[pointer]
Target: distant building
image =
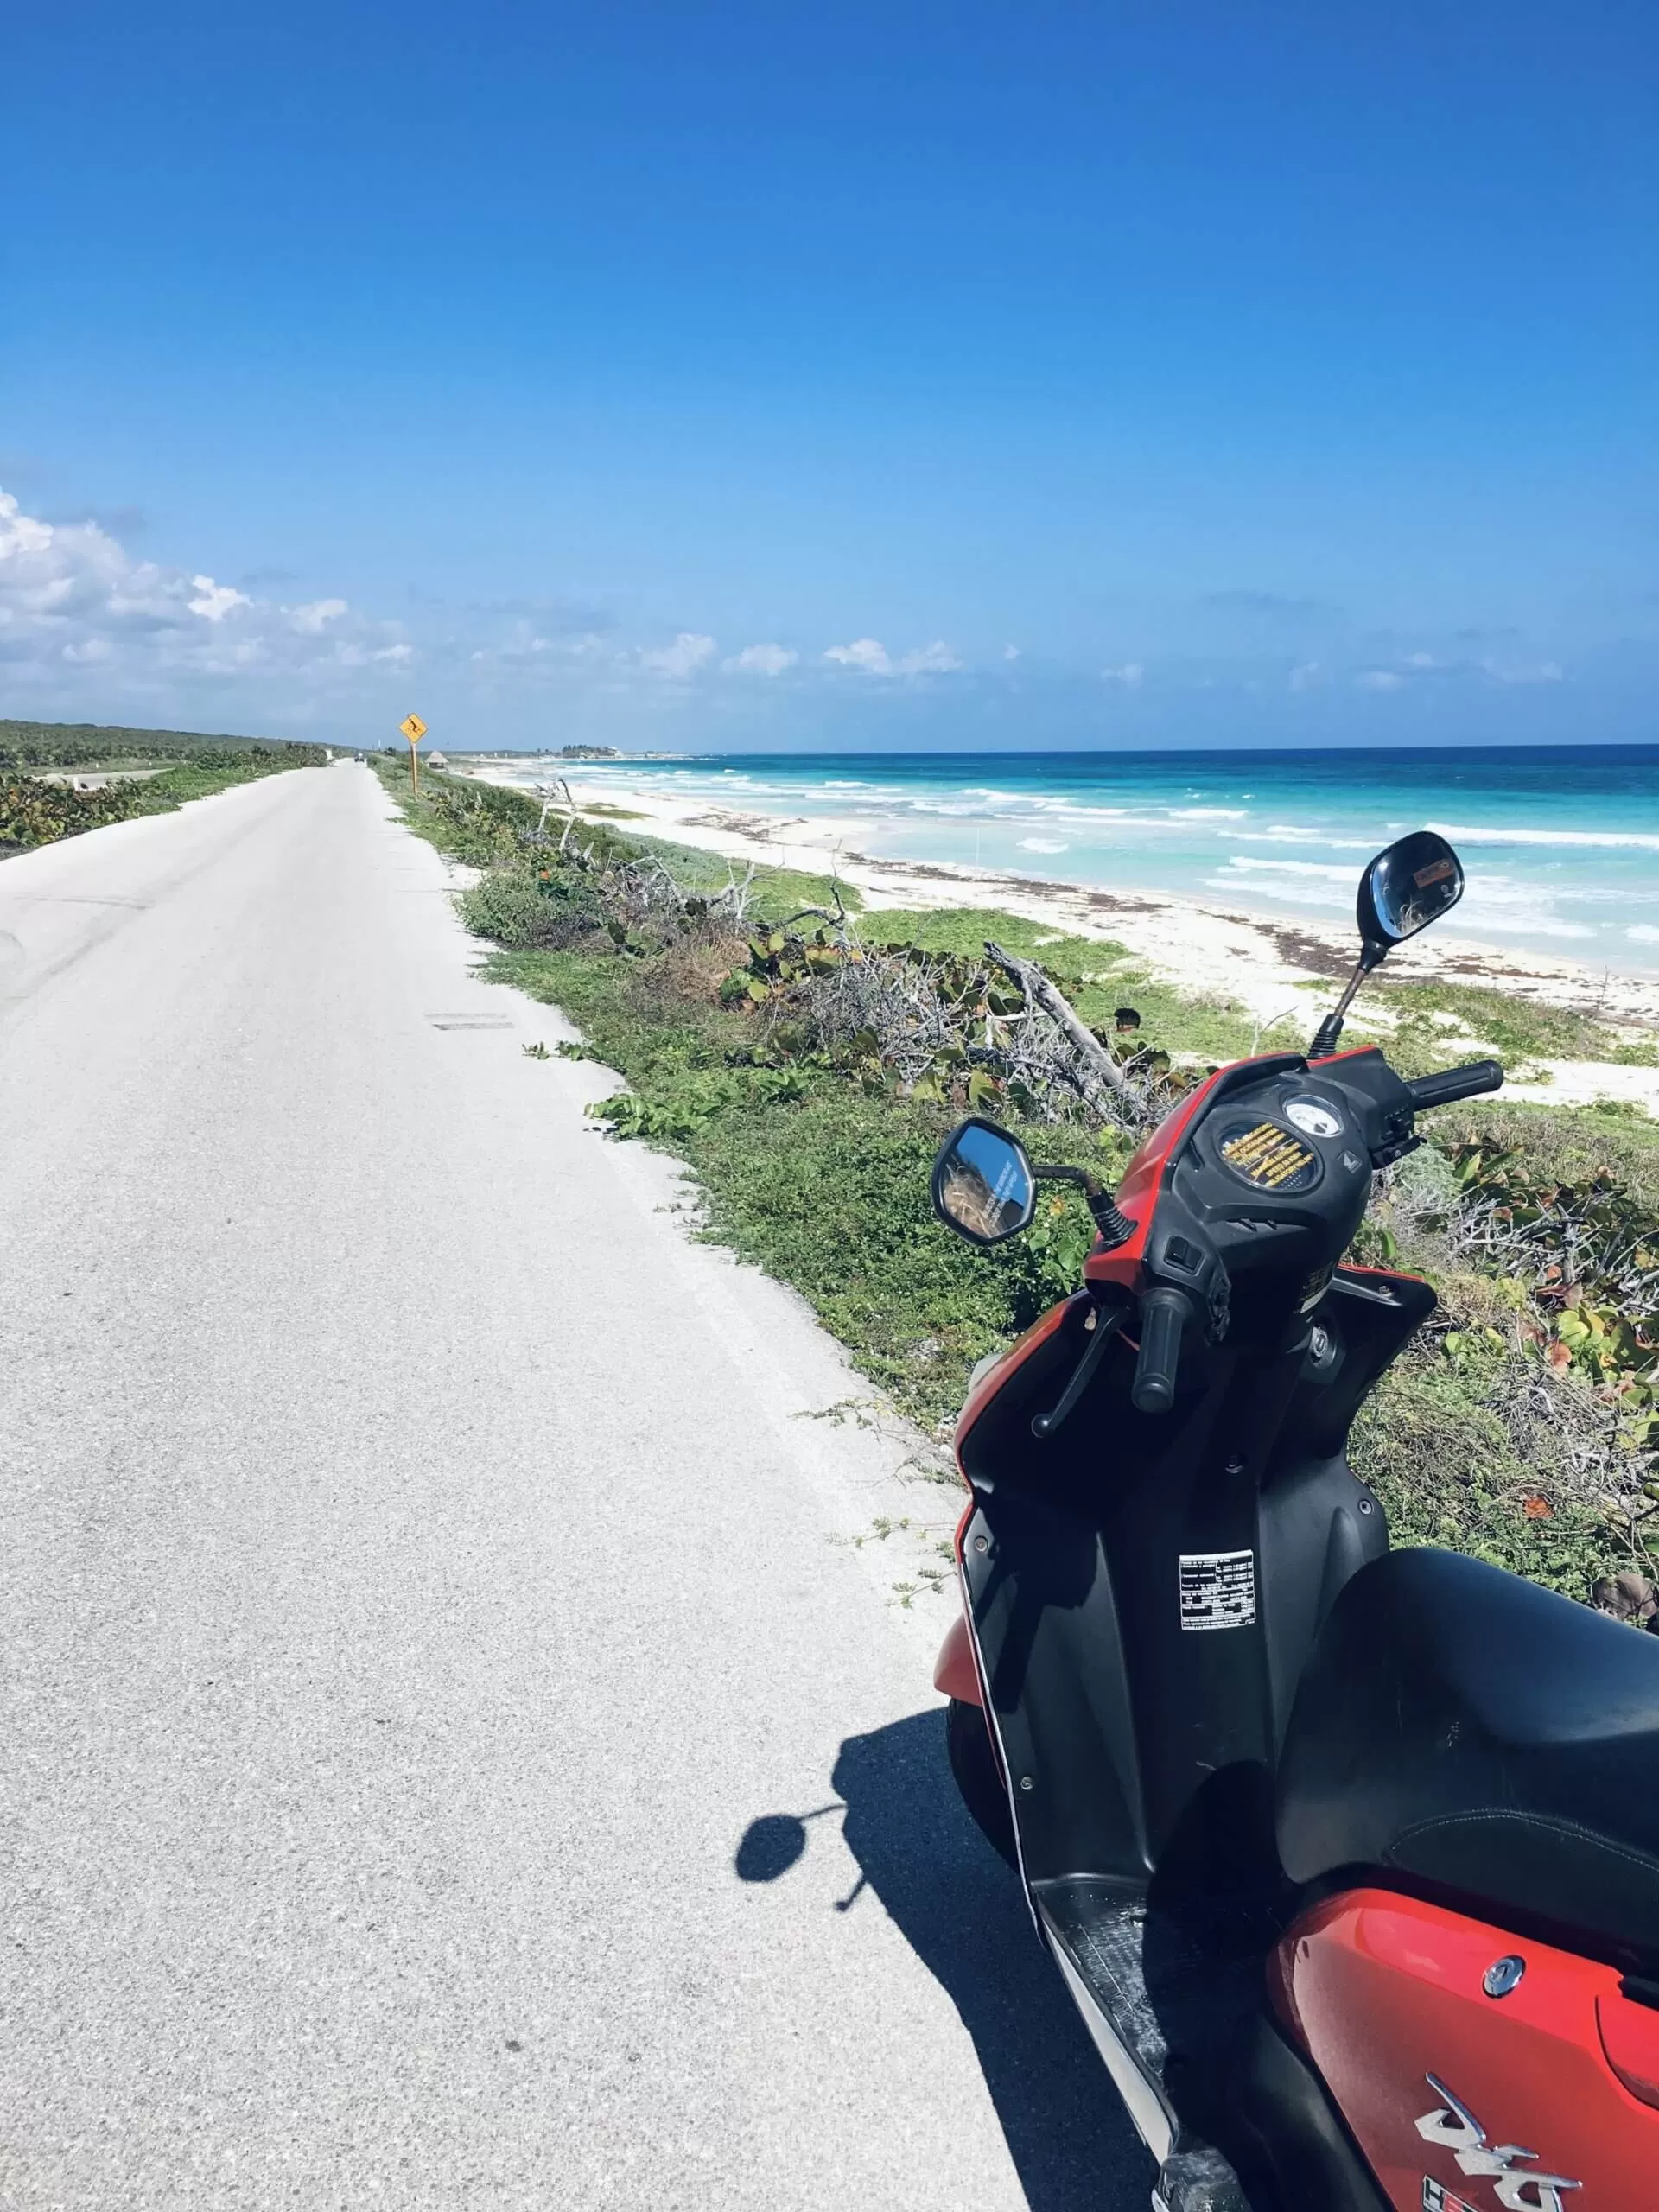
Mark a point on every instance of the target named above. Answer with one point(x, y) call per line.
point(436, 761)
point(588, 753)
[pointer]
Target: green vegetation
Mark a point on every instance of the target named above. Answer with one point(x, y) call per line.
point(1523, 1426)
point(1513, 1029)
point(34, 746)
point(33, 812)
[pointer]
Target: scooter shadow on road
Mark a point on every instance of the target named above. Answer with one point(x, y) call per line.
point(964, 1915)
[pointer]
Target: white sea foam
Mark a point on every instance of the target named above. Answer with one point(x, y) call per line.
point(1636, 838)
point(1248, 864)
point(1294, 894)
point(1118, 817)
point(1480, 919)
point(1608, 894)
point(1281, 834)
point(1072, 812)
point(1042, 845)
point(1643, 933)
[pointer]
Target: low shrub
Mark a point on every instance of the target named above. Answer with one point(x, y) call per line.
point(527, 911)
point(33, 813)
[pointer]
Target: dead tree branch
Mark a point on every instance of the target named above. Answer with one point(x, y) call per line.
point(1039, 991)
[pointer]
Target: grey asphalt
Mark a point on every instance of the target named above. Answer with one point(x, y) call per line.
point(417, 1576)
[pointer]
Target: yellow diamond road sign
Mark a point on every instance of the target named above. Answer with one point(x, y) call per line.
point(413, 729)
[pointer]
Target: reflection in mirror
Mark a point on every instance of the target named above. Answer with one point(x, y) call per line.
point(1409, 887)
point(983, 1187)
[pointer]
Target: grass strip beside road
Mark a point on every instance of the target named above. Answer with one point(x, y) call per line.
point(1520, 1428)
point(33, 812)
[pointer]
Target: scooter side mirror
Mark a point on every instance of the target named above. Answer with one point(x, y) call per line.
point(983, 1184)
point(1410, 884)
point(1405, 888)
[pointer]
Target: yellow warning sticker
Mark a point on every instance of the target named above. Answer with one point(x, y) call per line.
point(1267, 1155)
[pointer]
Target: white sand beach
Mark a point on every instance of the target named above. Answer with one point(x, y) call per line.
point(1260, 961)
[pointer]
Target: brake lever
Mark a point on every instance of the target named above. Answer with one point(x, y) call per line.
point(1106, 1327)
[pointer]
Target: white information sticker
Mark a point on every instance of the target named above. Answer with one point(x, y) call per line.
point(1217, 1589)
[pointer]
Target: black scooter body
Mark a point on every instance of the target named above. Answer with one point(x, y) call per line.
point(1143, 1590)
point(1086, 1587)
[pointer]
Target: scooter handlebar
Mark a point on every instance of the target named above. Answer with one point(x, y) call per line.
point(1163, 1316)
point(1444, 1090)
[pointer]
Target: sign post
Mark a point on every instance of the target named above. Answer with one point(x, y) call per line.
point(414, 729)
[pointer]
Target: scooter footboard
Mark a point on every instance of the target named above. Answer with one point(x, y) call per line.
point(1176, 2002)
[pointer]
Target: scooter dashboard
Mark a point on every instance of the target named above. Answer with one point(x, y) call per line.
point(1284, 1140)
point(1279, 1157)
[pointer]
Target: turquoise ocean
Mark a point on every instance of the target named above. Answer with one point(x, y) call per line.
point(1560, 845)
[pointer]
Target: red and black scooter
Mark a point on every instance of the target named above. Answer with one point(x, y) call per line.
point(1348, 1857)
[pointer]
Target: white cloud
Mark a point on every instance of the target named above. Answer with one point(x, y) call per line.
point(21, 535)
point(525, 648)
point(871, 657)
point(311, 621)
point(1305, 675)
point(1541, 672)
point(71, 597)
point(1451, 671)
point(1130, 674)
point(763, 660)
point(214, 601)
point(868, 654)
point(687, 653)
point(936, 659)
point(1010, 652)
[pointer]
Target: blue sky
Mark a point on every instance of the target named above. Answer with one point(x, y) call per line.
point(1186, 374)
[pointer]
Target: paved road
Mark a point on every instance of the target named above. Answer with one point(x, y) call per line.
point(414, 1582)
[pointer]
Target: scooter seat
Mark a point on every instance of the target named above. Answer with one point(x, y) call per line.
point(1482, 1734)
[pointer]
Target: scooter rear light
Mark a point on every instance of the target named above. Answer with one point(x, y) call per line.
point(1629, 2036)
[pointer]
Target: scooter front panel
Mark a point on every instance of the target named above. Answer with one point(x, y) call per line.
point(1076, 1571)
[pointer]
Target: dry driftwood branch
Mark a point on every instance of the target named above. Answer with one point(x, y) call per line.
point(735, 894)
point(837, 920)
point(1039, 991)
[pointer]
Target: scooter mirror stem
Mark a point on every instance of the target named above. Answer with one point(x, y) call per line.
point(1329, 1033)
point(1114, 1228)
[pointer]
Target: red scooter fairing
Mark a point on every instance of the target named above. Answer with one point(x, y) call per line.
point(1521, 2100)
point(1463, 1731)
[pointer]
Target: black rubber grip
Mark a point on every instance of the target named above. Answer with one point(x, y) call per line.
point(1163, 1315)
point(1456, 1083)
